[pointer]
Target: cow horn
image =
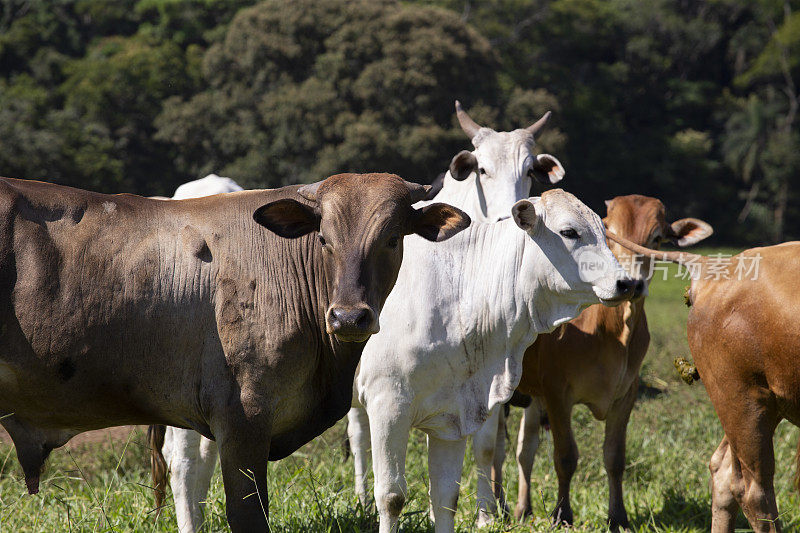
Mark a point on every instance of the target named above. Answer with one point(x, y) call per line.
point(418, 192)
point(309, 192)
point(469, 126)
point(539, 124)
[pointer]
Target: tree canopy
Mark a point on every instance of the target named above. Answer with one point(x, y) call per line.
point(692, 101)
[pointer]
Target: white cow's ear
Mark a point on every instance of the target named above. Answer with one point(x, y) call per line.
point(524, 213)
point(463, 164)
point(547, 169)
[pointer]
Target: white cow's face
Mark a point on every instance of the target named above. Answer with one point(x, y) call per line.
point(502, 167)
point(581, 267)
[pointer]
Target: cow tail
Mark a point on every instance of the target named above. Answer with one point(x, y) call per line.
point(158, 466)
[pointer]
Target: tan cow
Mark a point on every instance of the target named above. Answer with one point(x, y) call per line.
point(745, 339)
point(594, 360)
point(242, 316)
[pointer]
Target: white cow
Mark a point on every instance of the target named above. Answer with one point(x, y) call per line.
point(190, 457)
point(455, 330)
point(484, 183)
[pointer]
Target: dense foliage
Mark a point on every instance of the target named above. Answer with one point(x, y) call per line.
point(693, 101)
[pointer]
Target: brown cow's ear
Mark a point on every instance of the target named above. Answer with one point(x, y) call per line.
point(547, 169)
point(438, 222)
point(524, 213)
point(462, 165)
point(287, 218)
point(688, 231)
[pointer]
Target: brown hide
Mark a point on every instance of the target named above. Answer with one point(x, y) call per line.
point(745, 341)
point(118, 309)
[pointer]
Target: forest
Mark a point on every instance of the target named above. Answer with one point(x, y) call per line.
point(692, 101)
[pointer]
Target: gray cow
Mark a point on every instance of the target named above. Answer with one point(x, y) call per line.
point(126, 310)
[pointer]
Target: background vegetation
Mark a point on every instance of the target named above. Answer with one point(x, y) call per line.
point(693, 101)
point(672, 434)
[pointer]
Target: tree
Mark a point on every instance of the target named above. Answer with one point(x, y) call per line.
point(303, 90)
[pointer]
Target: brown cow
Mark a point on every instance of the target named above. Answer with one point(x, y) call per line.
point(744, 338)
point(594, 360)
point(118, 309)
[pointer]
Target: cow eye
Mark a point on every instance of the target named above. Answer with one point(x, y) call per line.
point(482, 171)
point(569, 233)
point(393, 242)
point(322, 240)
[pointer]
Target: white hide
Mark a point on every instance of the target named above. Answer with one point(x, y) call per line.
point(455, 329)
point(190, 457)
point(211, 184)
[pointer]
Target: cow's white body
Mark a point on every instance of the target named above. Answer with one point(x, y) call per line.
point(502, 176)
point(453, 335)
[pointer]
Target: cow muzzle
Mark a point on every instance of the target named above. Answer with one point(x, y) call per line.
point(626, 289)
point(351, 324)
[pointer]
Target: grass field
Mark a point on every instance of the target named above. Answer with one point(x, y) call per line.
point(672, 433)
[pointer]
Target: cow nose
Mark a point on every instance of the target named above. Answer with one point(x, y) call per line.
point(627, 287)
point(351, 323)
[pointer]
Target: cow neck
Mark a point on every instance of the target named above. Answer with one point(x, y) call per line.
point(490, 297)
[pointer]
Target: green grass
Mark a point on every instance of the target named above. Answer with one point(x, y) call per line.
point(671, 436)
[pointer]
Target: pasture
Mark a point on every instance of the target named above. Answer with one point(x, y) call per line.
point(672, 433)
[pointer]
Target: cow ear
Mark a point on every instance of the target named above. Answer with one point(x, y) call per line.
point(287, 218)
point(688, 231)
point(463, 164)
point(524, 213)
point(438, 222)
point(547, 169)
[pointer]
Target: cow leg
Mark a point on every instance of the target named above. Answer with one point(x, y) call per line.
point(359, 435)
point(389, 428)
point(753, 469)
point(499, 459)
point(614, 456)
point(527, 445)
point(191, 458)
point(565, 456)
point(244, 474)
point(483, 443)
point(749, 417)
point(723, 503)
point(445, 460)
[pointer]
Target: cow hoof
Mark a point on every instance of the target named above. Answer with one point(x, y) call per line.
point(562, 517)
point(485, 519)
point(616, 525)
point(522, 512)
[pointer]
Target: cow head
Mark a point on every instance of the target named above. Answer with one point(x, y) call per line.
point(642, 220)
point(501, 167)
point(360, 221)
point(579, 268)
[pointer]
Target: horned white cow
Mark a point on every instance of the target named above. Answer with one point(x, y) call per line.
point(454, 332)
point(485, 183)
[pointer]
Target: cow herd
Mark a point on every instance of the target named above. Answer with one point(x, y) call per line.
point(243, 324)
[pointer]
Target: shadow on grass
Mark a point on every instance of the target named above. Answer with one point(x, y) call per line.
point(648, 392)
point(680, 513)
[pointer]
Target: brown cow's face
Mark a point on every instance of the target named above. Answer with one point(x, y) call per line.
point(642, 220)
point(360, 220)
